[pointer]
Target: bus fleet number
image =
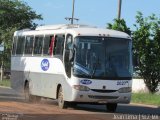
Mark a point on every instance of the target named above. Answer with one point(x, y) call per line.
point(122, 82)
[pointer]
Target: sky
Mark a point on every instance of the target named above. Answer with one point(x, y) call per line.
point(92, 12)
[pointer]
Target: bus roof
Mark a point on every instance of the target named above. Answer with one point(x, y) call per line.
point(75, 30)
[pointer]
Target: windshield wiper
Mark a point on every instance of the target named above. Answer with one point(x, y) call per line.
point(95, 68)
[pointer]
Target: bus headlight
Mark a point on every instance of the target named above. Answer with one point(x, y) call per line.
point(125, 90)
point(81, 87)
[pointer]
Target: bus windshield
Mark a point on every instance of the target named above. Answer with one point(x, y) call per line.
point(102, 58)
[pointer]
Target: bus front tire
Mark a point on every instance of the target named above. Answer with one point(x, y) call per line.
point(111, 107)
point(61, 103)
point(73, 104)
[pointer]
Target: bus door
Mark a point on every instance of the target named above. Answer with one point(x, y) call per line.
point(68, 47)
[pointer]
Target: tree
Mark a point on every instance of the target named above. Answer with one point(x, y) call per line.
point(14, 15)
point(146, 43)
point(120, 25)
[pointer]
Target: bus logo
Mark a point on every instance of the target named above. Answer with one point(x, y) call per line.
point(86, 82)
point(45, 64)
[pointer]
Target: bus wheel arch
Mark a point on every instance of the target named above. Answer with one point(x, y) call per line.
point(25, 83)
point(58, 87)
point(26, 90)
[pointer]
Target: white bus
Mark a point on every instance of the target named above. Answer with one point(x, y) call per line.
point(73, 64)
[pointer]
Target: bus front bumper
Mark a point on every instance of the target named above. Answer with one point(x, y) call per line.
point(96, 97)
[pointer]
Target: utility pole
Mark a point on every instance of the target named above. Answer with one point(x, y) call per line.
point(72, 12)
point(119, 8)
point(72, 18)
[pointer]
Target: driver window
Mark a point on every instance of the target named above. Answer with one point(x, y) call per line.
point(68, 47)
point(69, 41)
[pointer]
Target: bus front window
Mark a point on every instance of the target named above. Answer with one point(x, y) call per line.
point(102, 58)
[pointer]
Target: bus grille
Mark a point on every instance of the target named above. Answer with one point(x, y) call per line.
point(103, 91)
point(102, 97)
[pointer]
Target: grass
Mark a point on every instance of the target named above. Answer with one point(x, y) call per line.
point(146, 98)
point(5, 82)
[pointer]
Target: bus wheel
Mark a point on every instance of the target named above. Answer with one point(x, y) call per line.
point(111, 107)
point(61, 103)
point(28, 96)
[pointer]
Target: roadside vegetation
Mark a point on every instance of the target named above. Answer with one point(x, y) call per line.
point(14, 15)
point(146, 98)
point(5, 82)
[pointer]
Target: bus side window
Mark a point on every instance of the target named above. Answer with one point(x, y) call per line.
point(29, 44)
point(14, 45)
point(38, 45)
point(54, 45)
point(46, 45)
point(20, 45)
point(51, 45)
point(59, 44)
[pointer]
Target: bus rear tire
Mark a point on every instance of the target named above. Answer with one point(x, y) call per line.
point(28, 96)
point(111, 107)
point(61, 103)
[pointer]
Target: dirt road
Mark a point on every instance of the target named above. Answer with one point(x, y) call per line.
point(14, 107)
